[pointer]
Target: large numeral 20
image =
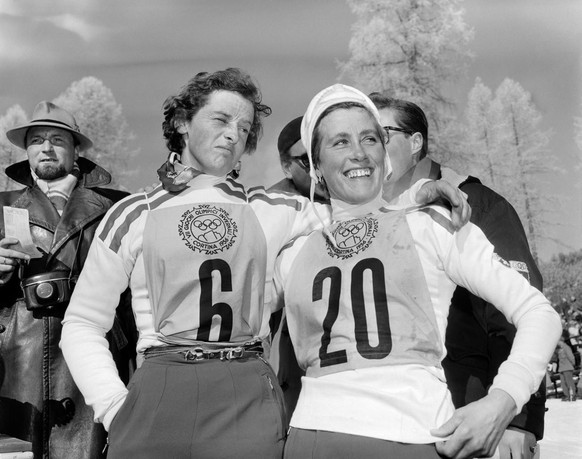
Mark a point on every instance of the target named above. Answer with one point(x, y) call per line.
point(363, 346)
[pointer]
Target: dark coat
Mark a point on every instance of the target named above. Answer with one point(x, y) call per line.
point(479, 339)
point(39, 401)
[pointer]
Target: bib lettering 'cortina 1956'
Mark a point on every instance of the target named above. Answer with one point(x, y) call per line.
point(200, 298)
point(207, 229)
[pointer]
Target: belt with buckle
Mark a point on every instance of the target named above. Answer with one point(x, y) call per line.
point(197, 353)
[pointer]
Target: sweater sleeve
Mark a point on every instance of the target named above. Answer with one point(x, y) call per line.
point(89, 316)
point(499, 221)
point(470, 261)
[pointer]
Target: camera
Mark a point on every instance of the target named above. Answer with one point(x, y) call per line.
point(48, 290)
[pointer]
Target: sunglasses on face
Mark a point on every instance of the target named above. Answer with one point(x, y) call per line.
point(302, 160)
point(397, 129)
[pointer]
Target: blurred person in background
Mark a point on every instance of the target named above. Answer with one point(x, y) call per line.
point(566, 364)
point(295, 165)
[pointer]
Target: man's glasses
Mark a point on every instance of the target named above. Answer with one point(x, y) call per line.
point(397, 129)
point(302, 160)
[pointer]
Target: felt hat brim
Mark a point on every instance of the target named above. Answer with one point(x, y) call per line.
point(47, 114)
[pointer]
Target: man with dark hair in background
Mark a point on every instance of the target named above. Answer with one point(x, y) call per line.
point(295, 163)
point(478, 337)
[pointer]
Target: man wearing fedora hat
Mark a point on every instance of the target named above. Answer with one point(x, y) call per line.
point(63, 195)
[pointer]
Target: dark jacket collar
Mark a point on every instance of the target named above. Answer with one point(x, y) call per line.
point(92, 175)
point(288, 186)
point(425, 168)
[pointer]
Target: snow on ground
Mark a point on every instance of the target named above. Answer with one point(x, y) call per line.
point(563, 430)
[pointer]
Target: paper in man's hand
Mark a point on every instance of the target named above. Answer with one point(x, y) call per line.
point(16, 225)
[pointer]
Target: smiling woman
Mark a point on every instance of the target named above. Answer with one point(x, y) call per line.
point(351, 153)
point(367, 302)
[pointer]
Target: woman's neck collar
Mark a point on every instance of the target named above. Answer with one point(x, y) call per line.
point(203, 180)
point(344, 211)
point(199, 178)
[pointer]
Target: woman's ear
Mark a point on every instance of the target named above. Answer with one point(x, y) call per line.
point(286, 166)
point(319, 176)
point(416, 142)
point(181, 127)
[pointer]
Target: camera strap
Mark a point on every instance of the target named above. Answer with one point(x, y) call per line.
point(76, 266)
point(21, 270)
point(76, 263)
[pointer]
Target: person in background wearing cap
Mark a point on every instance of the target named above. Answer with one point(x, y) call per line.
point(295, 165)
point(566, 366)
point(478, 337)
point(367, 300)
point(198, 252)
point(65, 201)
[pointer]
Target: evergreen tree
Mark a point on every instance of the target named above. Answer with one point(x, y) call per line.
point(479, 136)
point(411, 49)
point(523, 159)
point(101, 118)
point(10, 154)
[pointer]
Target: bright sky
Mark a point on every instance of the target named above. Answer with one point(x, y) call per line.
point(144, 50)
